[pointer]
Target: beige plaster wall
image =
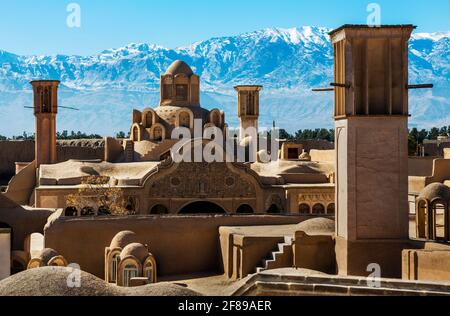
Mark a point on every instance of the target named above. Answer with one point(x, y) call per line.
point(446, 153)
point(440, 173)
point(23, 151)
point(420, 166)
point(5, 253)
point(426, 265)
point(314, 252)
point(181, 245)
point(21, 186)
point(323, 155)
point(24, 222)
point(372, 194)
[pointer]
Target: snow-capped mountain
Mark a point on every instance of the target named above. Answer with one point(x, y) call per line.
point(287, 62)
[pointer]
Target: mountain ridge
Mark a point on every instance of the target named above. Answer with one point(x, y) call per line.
point(288, 62)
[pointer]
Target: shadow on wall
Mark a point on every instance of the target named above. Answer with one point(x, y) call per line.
point(180, 244)
point(23, 221)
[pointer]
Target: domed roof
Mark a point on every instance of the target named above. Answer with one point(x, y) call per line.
point(52, 281)
point(46, 255)
point(167, 113)
point(123, 239)
point(179, 67)
point(317, 226)
point(139, 251)
point(434, 191)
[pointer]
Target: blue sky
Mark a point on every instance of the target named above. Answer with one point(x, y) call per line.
point(39, 27)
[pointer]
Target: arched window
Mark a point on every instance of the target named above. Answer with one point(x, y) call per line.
point(304, 209)
point(148, 273)
point(274, 209)
point(70, 211)
point(159, 210)
point(104, 211)
point(181, 92)
point(438, 220)
point(245, 209)
point(129, 272)
point(130, 206)
point(318, 209)
point(135, 134)
point(148, 119)
point(421, 219)
point(158, 134)
point(185, 119)
point(87, 211)
point(114, 264)
point(167, 91)
point(331, 209)
point(150, 269)
point(215, 118)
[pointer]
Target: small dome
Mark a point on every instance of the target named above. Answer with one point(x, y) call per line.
point(122, 239)
point(139, 251)
point(46, 255)
point(434, 191)
point(179, 67)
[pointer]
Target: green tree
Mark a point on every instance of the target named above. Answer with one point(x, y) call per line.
point(433, 134)
point(285, 135)
point(121, 134)
point(412, 145)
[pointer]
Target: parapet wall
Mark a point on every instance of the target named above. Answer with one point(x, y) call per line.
point(323, 155)
point(181, 245)
point(432, 263)
point(23, 151)
point(420, 166)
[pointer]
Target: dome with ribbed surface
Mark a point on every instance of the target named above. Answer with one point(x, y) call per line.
point(179, 67)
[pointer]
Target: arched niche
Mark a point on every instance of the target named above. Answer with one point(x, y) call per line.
point(158, 132)
point(304, 208)
point(245, 209)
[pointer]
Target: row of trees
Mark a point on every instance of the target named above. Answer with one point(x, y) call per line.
point(308, 134)
point(64, 135)
point(416, 136)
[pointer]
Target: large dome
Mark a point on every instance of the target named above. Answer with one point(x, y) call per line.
point(52, 281)
point(179, 67)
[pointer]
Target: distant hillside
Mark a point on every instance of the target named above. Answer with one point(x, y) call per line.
point(288, 62)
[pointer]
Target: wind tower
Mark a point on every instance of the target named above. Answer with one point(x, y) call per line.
point(45, 95)
point(371, 118)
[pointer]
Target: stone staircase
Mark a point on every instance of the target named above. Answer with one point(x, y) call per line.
point(157, 147)
point(129, 151)
point(280, 258)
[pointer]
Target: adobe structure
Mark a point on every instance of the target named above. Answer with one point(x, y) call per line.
point(320, 221)
point(143, 168)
